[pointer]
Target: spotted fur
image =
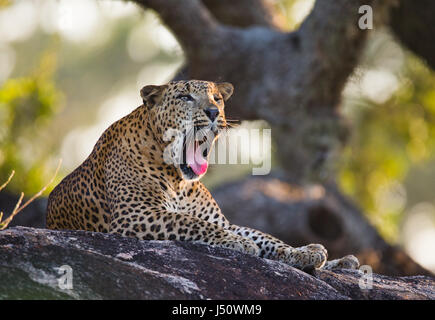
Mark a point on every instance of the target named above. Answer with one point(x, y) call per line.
point(127, 186)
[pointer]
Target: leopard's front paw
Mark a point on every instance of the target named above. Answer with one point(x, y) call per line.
point(310, 255)
point(347, 262)
point(242, 245)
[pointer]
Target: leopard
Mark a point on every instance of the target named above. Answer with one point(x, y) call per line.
point(142, 179)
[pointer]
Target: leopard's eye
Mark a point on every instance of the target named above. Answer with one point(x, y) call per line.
point(217, 98)
point(185, 97)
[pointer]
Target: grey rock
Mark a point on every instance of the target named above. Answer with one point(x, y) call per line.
point(108, 266)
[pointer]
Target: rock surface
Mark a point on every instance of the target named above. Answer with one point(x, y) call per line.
point(112, 267)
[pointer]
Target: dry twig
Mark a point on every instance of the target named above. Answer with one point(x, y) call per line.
point(18, 207)
point(9, 180)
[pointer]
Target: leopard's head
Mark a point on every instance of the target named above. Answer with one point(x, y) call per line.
point(187, 118)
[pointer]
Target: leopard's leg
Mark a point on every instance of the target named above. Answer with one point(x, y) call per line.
point(301, 257)
point(275, 249)
point(161, 225)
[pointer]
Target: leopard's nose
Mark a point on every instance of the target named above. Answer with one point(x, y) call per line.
point(212, 113)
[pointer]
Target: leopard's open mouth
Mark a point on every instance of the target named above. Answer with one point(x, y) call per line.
point(196, 151)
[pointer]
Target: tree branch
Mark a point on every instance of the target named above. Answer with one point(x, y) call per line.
point(412, 22)
point(331, 41)
point(191, 22)
point(245, 13)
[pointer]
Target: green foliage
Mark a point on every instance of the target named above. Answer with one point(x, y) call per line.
point(27, 104)
point(388, 139)
point(5, 3)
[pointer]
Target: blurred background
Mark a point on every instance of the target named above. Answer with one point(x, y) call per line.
point(68, 69)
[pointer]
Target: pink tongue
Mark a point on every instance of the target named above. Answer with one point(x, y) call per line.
point(195, 160)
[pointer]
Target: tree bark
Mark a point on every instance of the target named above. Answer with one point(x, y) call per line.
point(412, 22)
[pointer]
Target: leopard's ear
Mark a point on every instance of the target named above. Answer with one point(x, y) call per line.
point(226, 89)
point(152, 95)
